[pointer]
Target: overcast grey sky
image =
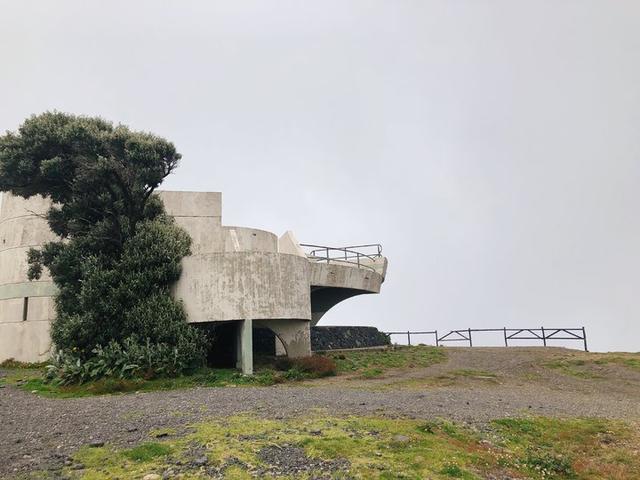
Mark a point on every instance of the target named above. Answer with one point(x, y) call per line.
point(492, 147)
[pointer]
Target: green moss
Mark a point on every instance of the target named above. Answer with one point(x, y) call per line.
point(147, 451)
point(454, 471)
point(383, 448)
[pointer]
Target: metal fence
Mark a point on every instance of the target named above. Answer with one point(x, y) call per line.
point(543, 334)
point(355, 254)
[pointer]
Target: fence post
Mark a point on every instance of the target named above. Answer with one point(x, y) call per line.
point(408, 337)
point(506, 342)
point(544, 339)
point(584, 337)
point(437, 339)
point(470, 344)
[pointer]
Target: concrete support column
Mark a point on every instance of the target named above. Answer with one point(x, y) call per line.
point(244, 347)
point(294, 334)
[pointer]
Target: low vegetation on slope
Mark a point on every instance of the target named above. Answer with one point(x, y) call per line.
point(366, 364)
point(594, 365)
point(243, 447)
point(374, 363)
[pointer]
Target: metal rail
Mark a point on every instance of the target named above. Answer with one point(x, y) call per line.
point(323, 253)
point(543, 333)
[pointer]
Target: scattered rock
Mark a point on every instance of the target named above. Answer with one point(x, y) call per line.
point(167, 474)
point(289, 460)
point(200, 461)
point(401, 438)
point(152, 476)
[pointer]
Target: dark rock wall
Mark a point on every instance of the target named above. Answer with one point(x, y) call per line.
point(334, 338)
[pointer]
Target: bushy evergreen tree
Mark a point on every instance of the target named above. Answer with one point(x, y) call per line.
point(118, 252)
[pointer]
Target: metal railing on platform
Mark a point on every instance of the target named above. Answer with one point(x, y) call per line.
point(354, 254)
point(543, 334)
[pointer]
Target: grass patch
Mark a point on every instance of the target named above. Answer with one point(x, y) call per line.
point(576, 448)
point(574, 367)
point(369, 364)
point(32, 380)
point(448, 379)
point(373, 363)
point(383, 448)
point(11, 364)
point(589, 365)
point(148, 451)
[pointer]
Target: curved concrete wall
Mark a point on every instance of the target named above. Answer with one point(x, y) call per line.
point(344, 276)
point(241, 285)
point(26, 308)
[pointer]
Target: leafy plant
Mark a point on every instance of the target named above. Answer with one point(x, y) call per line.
point(129, 359)
point(316, 365)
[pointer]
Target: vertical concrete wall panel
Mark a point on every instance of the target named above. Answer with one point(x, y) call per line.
point(25, 341)
point(22, 226)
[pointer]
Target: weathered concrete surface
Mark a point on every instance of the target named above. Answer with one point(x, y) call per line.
point(294, 335)
point(26, 308)
point(334, 282)
point(232, 286)
point(288, 244)
point(244, 347)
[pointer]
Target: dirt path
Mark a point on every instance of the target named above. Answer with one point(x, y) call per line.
point(40, 433)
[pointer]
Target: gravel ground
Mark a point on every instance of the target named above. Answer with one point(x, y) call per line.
point(38, 433)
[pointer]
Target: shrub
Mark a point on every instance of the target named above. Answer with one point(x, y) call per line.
point(283, 364)
point(549, 463)
point(129, 359)
point(316, 366)
point(294, 374)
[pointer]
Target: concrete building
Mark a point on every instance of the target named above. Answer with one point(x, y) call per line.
point(237, 279)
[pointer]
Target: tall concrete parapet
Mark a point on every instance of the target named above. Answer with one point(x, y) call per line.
point(241, 277)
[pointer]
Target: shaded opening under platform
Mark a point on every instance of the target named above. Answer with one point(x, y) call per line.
point(222, 351)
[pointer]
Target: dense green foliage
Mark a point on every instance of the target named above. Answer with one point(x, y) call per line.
point(117, 253)
point(128, 359)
